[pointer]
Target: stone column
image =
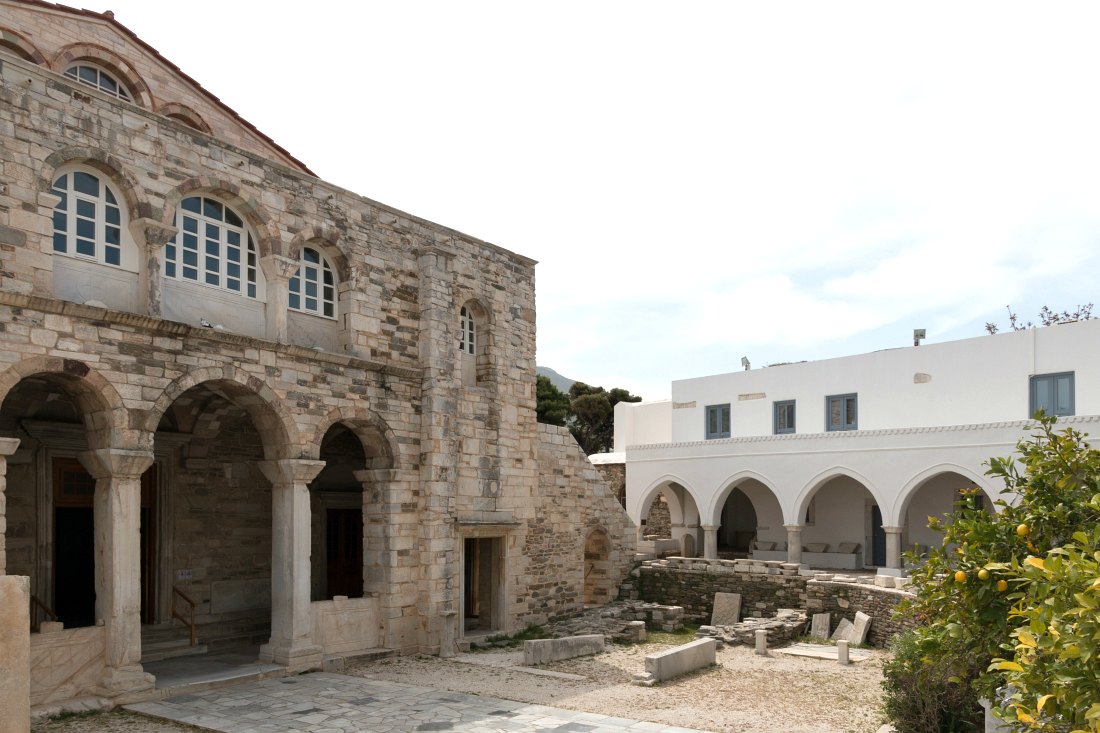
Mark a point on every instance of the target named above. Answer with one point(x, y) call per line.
point(150, 236)
point(277, 271)
point(794, 543)
point(291, 641)
point(378, 530)
point(710, 541)
point(15, 653)
point(7, 447)
point(893, 547)
point(117, 518)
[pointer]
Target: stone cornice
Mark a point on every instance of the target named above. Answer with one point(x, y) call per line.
point(173, 329)
point(1070, 421)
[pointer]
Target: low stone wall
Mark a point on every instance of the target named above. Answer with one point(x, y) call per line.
point(844, 599)
point(765, 588)
point(346, 626)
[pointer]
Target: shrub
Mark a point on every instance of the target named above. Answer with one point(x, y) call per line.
point(924, 696)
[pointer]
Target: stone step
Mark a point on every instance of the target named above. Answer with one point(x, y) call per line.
point(168, 648)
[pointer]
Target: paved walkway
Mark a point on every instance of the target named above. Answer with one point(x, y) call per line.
point(334, 703)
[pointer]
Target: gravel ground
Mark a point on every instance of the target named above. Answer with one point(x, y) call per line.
point(744, 693)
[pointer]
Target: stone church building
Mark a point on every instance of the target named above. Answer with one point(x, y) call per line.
point(239, 403)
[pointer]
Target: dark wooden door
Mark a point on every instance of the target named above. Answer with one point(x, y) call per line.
point(344, 552)
point(149, 545)
point(73, 544)
point(878, 538)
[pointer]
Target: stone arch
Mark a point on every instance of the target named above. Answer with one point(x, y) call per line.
point(747, 502)
point(267, 409)
point(373, 432)
point(104, 162)
point(268, 239)
point(712, 513)
point(676, 507)
point(812, 486)
point(331, 244)
point(106, 417)
point(184, 114)
point(901, 502)
point(110, 61)
point(597, 567)
point(21, 47)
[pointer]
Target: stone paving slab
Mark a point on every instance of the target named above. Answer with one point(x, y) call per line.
point(821, 651)
point(334, 703)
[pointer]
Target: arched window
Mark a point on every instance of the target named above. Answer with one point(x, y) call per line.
point(313, 287)
point(467, 343)
point(212, 247)
point(87, 222)
point(93, 76)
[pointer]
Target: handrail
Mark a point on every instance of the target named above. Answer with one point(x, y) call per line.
point(36, 602)
point(175, 614)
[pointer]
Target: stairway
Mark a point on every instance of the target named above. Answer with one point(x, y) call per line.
point(166, 642)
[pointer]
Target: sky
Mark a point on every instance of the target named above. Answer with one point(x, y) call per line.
point(699, 181)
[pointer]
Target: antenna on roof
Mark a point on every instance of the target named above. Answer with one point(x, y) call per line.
point(918, 336)
point(745, 362)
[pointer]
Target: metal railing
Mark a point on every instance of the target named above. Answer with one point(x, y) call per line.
point(189, 620)
point(36, 605)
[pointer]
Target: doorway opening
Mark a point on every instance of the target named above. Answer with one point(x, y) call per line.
point(482, 573)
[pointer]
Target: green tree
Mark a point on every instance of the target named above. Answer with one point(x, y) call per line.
point(593, 415)
point(1011, 597)
point(552, 405)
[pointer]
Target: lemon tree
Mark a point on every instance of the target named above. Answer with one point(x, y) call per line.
point(1010, 599)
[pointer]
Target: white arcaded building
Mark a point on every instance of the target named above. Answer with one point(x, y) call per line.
point(839, 463)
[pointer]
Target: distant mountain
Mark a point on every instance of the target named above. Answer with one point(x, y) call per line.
point(562, 383)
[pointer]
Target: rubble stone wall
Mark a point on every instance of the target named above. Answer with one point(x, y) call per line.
point(692, 583)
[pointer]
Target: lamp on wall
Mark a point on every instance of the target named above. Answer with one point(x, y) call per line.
point(745, 362)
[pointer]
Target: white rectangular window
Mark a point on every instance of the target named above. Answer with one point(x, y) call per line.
point(840, 412)
point(717, 421)
point(1052, 393)
point(784, 417)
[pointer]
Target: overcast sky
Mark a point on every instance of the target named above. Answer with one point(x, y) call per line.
point(699, 181)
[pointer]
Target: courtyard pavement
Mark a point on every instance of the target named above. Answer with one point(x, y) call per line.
point(335, 703)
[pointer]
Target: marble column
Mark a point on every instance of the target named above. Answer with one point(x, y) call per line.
point(291, 641)
point(710, 541)
point(117, 518)
point(794, 542)
point(7, 447)
point(893, 547)
point(277, 272)
point(150, 236)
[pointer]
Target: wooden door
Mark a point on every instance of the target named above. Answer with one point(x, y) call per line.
point(344, 552)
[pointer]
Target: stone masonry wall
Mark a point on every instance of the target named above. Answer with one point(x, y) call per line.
point(574, 501)
point(692, 583)
point(614, 474)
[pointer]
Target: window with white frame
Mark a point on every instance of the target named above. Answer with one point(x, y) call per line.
point(1052, 393)
point(466, 327)
point(313, 287)
point(717, 421)
point(87, 222)
point(212, 247)
point(840, 412)
point(783, 420)
point(93, 76)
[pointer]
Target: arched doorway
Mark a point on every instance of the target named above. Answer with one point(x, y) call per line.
point(597, 568)
point(936, 496)
point(750, 512)
point(842, 525)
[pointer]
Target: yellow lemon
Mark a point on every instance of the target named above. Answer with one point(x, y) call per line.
point(1023, 531)
point(983, 574)
point(960, 576)
point(1002, 586)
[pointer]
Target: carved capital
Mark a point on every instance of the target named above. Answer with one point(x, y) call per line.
point(117, 463)
point(278, 267)
point(8, 446)
point(290, 470)
point(152, 233)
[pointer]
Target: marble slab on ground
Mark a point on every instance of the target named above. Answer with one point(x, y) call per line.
point(727, 609)
point(514, 662)
point(860, 628)
point(843, 630)
point(821, 651)
point(819, 629)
